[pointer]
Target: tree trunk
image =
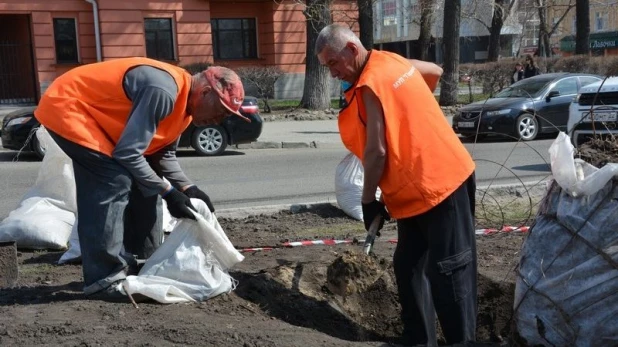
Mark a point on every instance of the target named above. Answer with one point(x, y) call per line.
point(365, 22)
point(316, 92)
point(582, 22)
point(497, 21)
point(450, 77)
point(424, 36)
point(543, 48)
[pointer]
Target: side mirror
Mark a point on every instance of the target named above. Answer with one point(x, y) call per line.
point(552, 94)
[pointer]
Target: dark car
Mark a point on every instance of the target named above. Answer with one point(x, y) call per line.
point(213, 139)
point(527, 108)
point(19, 127)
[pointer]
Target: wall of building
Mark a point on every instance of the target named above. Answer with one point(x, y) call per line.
point(281, 32)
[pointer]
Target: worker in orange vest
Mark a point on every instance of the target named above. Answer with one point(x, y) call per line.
point(393, 123)
point(119, 121)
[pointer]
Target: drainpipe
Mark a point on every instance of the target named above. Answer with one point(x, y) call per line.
point(97, 32)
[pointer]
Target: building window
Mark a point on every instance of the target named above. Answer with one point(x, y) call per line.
point(234, 38)
point(65, 39)
point(389, 12)
point(600, 21)
point(159, 38)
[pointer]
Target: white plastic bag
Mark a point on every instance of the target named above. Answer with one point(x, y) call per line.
point(349, 178)
point(191, 265)
point(575, 176)
point(46, 213)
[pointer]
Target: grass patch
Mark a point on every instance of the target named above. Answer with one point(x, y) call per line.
point(37, 268)
point(283, 105)
point(465, 98)
point(342, 229)
point(513, 212)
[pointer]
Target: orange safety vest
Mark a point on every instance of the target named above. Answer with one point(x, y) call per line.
point(425, 160)
point(88, 106)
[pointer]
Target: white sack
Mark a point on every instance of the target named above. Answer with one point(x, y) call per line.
point(191, 265)
point(45, 215)
point(575, 176)
point(349, 178)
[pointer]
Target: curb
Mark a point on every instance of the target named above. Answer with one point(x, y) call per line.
point(286, 145)
point(242, 212)
point(534, 188)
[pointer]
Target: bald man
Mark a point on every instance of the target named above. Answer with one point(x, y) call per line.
point(393, 123)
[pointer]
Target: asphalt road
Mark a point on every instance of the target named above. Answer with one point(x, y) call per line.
point(251, 178)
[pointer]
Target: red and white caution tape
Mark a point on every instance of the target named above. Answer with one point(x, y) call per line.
point(330, 242)
point(256, 249)
point(505, 229)
point(290, 244)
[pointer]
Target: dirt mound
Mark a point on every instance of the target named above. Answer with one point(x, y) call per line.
point(284, 296)
point(354, 272)
point(599, 151)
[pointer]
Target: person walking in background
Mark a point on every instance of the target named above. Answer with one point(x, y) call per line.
point(395, 126)
point(530, 67)
point(518, 73)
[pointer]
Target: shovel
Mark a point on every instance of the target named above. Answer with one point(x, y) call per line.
point(371, 234)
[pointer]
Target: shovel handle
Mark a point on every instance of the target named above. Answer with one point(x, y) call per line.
point(371, 234)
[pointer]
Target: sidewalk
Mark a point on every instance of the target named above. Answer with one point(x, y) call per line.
point(300, 134)
point(297, 134)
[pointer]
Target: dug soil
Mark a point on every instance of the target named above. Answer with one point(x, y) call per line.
point(288, 296)
point(599, 151)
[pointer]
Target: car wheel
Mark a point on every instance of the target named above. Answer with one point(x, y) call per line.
point(527, 127)
point(37, 148)
point(209, 140)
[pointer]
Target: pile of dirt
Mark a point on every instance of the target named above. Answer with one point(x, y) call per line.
point(354, 272)
point(599, 151)
point(284, 297)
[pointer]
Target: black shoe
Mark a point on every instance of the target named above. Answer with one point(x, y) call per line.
point(110, 294)
point(113, 293)
point(133, 270)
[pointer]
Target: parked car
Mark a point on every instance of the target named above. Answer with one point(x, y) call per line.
point(527, 108)
point(212, 140)
point(19, 127)
point(594, 112)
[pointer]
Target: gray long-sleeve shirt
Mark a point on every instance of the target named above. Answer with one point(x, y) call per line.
point(153, 94)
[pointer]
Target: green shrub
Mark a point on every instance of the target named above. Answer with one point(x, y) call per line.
point(194, 68)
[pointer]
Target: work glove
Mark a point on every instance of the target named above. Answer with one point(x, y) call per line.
point(373, 209)
point(179, 204)
point(195, 192)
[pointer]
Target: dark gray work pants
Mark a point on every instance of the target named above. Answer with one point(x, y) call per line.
point(435, 266)
point(116, 223)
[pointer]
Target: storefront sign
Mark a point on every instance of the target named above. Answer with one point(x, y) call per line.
point(602, 44)
point(598, 41)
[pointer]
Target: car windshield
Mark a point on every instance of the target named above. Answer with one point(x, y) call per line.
point(523, 89)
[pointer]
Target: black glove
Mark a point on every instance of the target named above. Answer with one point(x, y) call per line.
point(195, 192)
point(179, 204)
point(373, 209)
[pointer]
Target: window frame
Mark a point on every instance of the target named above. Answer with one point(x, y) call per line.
point(172, 33)
point(389, 13)
point(77, 59)
point(564, 81)
point(216, 47)
point(601, 18)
